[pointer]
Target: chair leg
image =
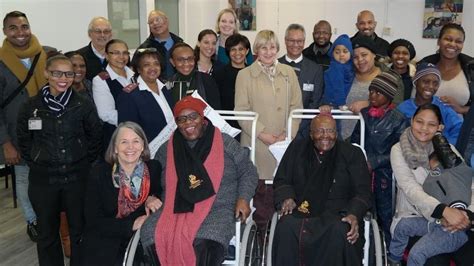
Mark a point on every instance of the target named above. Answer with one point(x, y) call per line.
point(64, 233)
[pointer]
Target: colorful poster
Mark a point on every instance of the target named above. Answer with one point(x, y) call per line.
point(438, 13)
point(246, 12)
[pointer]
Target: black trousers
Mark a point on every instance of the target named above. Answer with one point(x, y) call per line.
point(208, 252)
point(48, 201)
point(315, 241)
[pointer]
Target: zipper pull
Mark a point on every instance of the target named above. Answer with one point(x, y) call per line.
point(35, 112)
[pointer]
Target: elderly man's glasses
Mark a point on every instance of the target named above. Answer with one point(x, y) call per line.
point(293, 41)
point(322, 131)
point(58, 74)
point(99, 31)
point(157, 20)
point(191, 117)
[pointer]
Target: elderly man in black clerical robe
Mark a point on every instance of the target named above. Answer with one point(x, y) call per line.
point(322, 190)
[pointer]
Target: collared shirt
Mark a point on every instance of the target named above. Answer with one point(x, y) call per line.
point(98, 54)
point(159, 98)
point(26, 62)
point(168, 42)
point(103, 98)
point(297, 60)
point(321, 50)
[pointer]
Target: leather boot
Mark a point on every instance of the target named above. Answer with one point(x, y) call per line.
point(445, 154)
point(64, 233)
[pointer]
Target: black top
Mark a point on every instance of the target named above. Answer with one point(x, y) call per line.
point(93, 64)
point(381, 45)
point(106, 236)
point(321, 59)
point(225, 78)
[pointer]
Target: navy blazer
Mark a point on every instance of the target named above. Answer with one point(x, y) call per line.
point(141, 107)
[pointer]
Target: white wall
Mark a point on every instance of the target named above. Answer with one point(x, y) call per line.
point(58, 23)
point(404, 17)
point(63, 23)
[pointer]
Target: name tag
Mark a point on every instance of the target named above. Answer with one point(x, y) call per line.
point(35, 123)
point(308, 87)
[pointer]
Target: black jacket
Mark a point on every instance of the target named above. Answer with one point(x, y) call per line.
point(93, 64)
point(166, 66)
point(106, 236)
point(203, 83)
point(65, 145)
point(321, 59)
point(380, 136)
point(466, 136)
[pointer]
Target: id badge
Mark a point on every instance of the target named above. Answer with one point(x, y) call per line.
point(35, 123)
point(308, 87)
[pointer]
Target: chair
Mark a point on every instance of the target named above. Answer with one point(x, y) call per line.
point(369, 221)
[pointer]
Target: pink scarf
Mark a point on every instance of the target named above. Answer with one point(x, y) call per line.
point(175, 233)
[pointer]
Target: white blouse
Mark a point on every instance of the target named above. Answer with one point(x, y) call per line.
point(457, 88)
point(103, 98)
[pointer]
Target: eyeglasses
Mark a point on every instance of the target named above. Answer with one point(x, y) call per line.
point(157, 20)
point(147, 50)
point(191, 117)
point(182, 60)
point(118, 53)
point(58, 74)
point(99, 31)
point(292, 41)
point(321, 131)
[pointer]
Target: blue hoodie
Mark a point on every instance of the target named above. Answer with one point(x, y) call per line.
point(338, 78)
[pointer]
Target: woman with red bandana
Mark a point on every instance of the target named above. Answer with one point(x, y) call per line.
point(383, 126)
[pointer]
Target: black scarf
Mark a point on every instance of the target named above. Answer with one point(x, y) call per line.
point(194, 184)
point(56, 104)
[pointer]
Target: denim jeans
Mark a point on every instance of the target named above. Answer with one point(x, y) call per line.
point(434, 240)
point(21, 174)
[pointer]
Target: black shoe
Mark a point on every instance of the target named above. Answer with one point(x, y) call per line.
point(446, 156)
point(32, 231)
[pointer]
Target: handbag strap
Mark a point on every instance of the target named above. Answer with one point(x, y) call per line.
point(23, 84)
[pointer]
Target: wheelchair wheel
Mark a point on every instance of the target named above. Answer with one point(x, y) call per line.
point(271, 235)
point(250, 249)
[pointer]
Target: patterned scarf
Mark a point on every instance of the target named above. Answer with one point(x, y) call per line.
point(128, 201)
point(11, 57)
point(270, 70)
point(56, 104)
point(415, 153)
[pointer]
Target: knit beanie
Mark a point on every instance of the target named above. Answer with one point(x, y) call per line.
point(385, 83)
point(364, 41)
point(404, 43)
point(424, 69)
point(189, 102)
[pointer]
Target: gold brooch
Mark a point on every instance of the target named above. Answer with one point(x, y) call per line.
point(303, 208)
point(194, 182)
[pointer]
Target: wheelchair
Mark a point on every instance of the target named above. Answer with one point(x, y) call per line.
point(244, 243)
point(372, 232)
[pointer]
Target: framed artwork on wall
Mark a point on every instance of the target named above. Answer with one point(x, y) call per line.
point(438, 13)
point(246, 12)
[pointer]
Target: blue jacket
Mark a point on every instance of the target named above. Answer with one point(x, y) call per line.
point(141, 107)
point(451, 120)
